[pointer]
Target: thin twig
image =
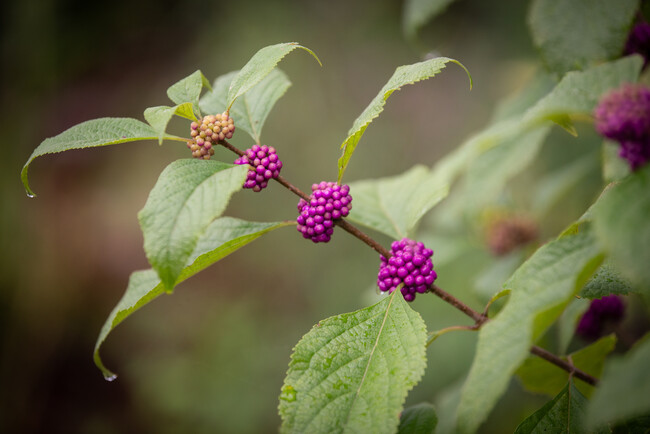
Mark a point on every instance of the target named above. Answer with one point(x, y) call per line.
point(479, 318)
point(557, 361)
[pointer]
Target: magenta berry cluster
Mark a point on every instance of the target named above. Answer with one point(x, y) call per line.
point(638, 42)
point(265, 166)
point(623, 115)
point(410, 265)
point(609, 309)
point(208, 132)
point(328, 202)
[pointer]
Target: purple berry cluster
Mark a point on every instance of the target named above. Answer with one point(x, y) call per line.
point(601, 311)
point(638, 42)
point(411, 265)
point(328, 202)
point(208, 133)
point(624, 115)
point(265, 166)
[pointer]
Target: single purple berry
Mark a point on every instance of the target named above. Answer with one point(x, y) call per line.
point(265, 165)
point(638, 42)
point(316, 219)
point(410, 266)
point(609, 309)
point(623, 115)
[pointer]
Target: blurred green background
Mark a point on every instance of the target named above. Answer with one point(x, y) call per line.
point(212, 356)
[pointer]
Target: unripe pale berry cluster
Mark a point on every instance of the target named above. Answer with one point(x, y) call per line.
point(328, 202)
point(624, 115)
point(411, 265)
point(208, 132)
point(266, 165)
point(601, 311)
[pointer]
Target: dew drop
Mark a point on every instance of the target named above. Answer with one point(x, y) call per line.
point(31, 195)
point(111, 377)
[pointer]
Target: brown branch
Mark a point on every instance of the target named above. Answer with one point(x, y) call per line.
point(479, 318)
point(557, 361)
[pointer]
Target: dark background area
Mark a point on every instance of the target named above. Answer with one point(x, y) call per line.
point(212, 356)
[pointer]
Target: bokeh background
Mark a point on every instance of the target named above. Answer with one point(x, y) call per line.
point(212, 356)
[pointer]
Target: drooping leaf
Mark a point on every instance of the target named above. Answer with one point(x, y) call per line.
point(419, 419)
point(418, 12)
point(189, 89)
point(539, 376)
point(251, 109)
point(187, 197)
point(351, 372)
point(622, 223)
point(562, 414)
point(396, 204)
point(259, 66)
point(540, 289)
point(624, 390)
point(159, 116)
point(403, 75)
point(575, 34)
point(577, 94)
point(221, 238)
point(89, 134)
point(606, 281)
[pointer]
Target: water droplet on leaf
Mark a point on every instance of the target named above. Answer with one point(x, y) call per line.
point(110, 377)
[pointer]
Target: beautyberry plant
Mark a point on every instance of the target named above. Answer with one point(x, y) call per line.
point(352, 372)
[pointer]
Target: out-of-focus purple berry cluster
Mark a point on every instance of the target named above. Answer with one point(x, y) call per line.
point(410, 265)
point(623, 115)
point(266, 166)
point(208, 132)
point(328, 202)
point(609, 309)
point(638, 42)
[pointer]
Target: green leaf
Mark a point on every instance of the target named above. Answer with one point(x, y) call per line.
point(575, 34)
point(563, 414)
point(624, 390)
point(159, 116)
point(539, 376)
point(540, 289)
point(403, 75)
point(606, 281)
point(419, 419)
point(395, 205)
point(221, 238)
point(252, 108)
point(189, 89)
point(577, 94)
point(187, 197)
point(89, 134)
point(259, 66)
point(623, 227)
point(556, 185)
point(568, 321)
point(615, 168)
point(489, 173)
point(418, 12)
point(351, 372)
